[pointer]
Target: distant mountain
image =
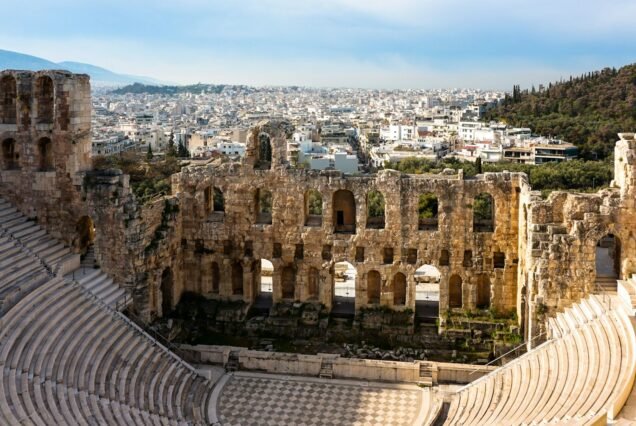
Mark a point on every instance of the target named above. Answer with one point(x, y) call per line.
point(99, 76)
point(138, 88)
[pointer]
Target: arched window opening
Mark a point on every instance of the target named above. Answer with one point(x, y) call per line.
point(399, 289)
point(45, 100)
point(218, 204)
point(344, 212)
point(237, 279)
point(455, 292)
point(427, 212)
point(8, 97)
point(166, 291)
point(427, 279)
point(45, 155)
point(483, 291)
point(264, 156)
point(608, 259)
point(10, 156)
point(313, 208)
point(216, 278)
point(288, 282)
point(375, 210)
point(374, 285)
point(313, 278)
point(483, 213)
point(263, 206)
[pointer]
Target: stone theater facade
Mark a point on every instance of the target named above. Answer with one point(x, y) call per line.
point(528, 254)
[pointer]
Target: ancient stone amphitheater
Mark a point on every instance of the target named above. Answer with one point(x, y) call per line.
point(69, 356)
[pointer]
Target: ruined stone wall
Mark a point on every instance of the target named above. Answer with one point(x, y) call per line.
point(50, 106)
point(234, 236)
point(563, 233)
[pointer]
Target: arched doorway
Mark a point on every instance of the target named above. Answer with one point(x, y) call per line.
point(399, 289)
point(288, 282)
point(45, 155)
point(216, 278)
point(608, 257)
point(166, 292)
point(344, 294)
point(374, 286)
point(313, 279)
point(237, 279)
point(427, 278)
point(483, 291)
point(455, 292)
point(262, 275)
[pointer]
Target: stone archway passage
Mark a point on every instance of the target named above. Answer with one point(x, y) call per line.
point(427, 279)
point(313, 278)
point(86, 233)
point(608, 257)
point(483, 291)
point(216, 278)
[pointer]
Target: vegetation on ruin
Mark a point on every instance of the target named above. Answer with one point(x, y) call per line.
point(427, 206)
point(375, 204)
point(587, 111)
point(148, 178)
point(314, 203)
point(579, 175)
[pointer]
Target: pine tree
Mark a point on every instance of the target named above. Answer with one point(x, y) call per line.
point(171, 152)
point(149, 154)
point(182, 151)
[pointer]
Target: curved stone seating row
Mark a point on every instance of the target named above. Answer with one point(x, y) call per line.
point(66, 359)
point(584, 373)
point(33, 238)
point(20, 273)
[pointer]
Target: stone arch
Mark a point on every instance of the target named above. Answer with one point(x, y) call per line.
point(85, 229)
point(374, 287)
point(10, 155)
point(483, 213)
point(427, 291)
point(313, 283)
point(444, 258)
point(427, 212)
point(313, 208)
point(455, 298)
point(263, 201)
point(8, 97)
point(375, 210)
point(215, 273)
point(166, 288)
point(266, 276)
point(344, 212)
point(237, 279)
point(345, 277)
point(263, 152)
point(288, 282)
point(45, 155)
point(399, 289)
point(608, 257)
point(483, 291)
point(45, 99)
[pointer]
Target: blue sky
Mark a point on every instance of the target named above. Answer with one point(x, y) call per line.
point(352, 43)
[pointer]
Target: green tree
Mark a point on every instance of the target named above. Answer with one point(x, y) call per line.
point(375, 204)
point(182, 151)
point(171, 151)
point(149, 154)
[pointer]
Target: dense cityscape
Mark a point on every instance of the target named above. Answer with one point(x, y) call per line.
point(350, 130)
